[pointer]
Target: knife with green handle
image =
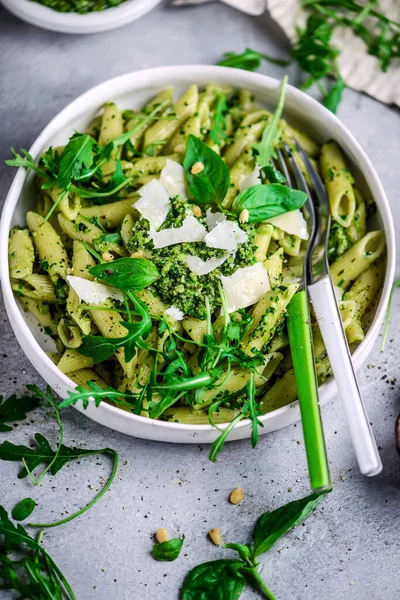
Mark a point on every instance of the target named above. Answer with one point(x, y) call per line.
point(301, 347)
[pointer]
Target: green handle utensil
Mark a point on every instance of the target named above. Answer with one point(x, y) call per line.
point(301, 347)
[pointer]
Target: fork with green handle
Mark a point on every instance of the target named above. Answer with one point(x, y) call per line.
point(301, 347)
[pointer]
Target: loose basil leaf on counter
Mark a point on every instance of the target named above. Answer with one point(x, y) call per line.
point(168, 551)
point(267, 201)
point(127, 273)
point(212, 183)
point(265, 149)
point(273, 525)
point(15, 409)
point(215, 580)
point(23, 509)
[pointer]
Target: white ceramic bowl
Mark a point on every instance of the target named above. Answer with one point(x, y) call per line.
point(93, 22)
point(132, 90)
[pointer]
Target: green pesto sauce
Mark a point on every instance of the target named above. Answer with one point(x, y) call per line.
point(79, 6)
point(177, 284)
point(338, 243)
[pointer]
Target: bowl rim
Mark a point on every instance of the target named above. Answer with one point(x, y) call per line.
point(135, 80)
point(70, 22)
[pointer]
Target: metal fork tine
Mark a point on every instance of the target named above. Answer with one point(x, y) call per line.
point(314, 176)
point(283, 168)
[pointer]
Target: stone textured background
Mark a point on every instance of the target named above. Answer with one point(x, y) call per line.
point(350, 548)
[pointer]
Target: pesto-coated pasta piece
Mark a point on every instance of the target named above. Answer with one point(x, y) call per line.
point(112, 126)
point(339, 184)
point(71, 361)
point(21, 253)
point(36, 286)
point(85, 375)
point(49, 246)
point(69, 334)
point(164, 98)
point(357, 259)
point(249, 132)
point(41, 311)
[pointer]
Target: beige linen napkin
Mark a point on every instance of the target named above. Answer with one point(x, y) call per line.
point(360, 71)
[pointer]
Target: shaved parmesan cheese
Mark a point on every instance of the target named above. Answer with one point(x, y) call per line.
point(190, 231)
point(173, 179)
point(227, 235)
point(93, 292)
point(338, 293)
point(246, 286)
point(174, 313)
point(153, 203)
point(291, 222)
point(254, 178)
point(212, 219)
point(203, 267)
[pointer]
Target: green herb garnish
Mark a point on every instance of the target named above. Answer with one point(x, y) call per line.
point(264, 150)
point(15, 409)
point(168, 551)
point(23, 509)
point(267, 201)
point(210, 185)
point(218, 126)
point(249, 60)
point(227, 578)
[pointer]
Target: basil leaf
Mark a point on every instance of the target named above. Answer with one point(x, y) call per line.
point(244, 551)
point(97, 347)
point(265, 150)
point(267, 201)
point(168, 551)
point(334, 98)
point(273, 525)
point(273, 175)
point(214, 580)
point(127, 273)
point(212, 183)
point(23, 509)
point(78, 152)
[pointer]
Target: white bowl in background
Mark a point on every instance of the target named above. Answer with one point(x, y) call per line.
point(133, 90)
point(93, 22)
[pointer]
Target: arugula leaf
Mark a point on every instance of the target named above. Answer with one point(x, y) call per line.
point(273, 525)
point(212, 183)
point(334, 97)
point(168, 551)
point(15, 409)
point(215, 580)
point(218, 444)
point(267, 201)
point(249, 60)
point(127, 273)
point(265, 150)
point(218, 127)
point(253, 412)
point(78, 152)
point(23, 509)
point(97, 347)
point(97, 393)
point(35, 575)
point(24, 160)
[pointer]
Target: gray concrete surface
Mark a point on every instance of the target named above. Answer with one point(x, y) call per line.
point(349, 550)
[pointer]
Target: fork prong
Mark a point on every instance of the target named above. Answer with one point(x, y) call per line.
point(319, 187)
point(284, 169)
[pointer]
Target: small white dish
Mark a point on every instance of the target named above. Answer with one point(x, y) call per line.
point(132, 91)
point(93, 22)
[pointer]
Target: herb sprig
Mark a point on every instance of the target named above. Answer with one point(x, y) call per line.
point(227, 578)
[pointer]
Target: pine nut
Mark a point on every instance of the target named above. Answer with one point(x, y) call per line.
point(196, 210)
point(197, 168)
point(215, 536)
point(107, 256)
point(137, 254)
point(244, 216)
point(180, 148)
point(162, 535)
point(237, 495)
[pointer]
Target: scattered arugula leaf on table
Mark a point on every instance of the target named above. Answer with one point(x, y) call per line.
point(26, 567)
point(168, 551)
point(15, 409)
point(227, 578)
point(249, 60)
